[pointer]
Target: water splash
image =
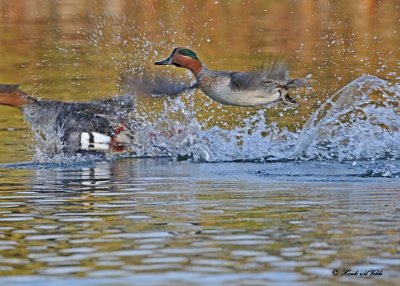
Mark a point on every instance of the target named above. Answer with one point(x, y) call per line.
point(359, 122)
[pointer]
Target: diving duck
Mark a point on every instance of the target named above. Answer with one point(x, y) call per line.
point(238, 88)
point(72, 127)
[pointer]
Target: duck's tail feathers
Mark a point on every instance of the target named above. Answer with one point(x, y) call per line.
point(297, 82)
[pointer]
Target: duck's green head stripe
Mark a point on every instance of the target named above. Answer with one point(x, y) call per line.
point(188, 53)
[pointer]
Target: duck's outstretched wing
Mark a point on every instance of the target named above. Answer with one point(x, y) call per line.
point(155, 85)
point(273, 74)
point(276, 70)
point(246, 80)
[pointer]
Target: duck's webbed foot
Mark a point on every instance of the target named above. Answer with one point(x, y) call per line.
point(287, 100)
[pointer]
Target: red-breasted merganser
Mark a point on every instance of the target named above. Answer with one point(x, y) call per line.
point(72, 127)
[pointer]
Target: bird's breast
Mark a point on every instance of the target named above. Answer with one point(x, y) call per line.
point(217, 88)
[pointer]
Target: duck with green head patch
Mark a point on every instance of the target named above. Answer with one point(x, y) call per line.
point(238, 88)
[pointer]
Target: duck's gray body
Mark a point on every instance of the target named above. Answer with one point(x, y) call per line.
point(241, 88)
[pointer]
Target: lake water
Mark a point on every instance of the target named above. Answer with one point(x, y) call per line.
point(234, 196)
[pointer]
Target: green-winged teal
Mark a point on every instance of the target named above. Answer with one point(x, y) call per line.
point(238, 88)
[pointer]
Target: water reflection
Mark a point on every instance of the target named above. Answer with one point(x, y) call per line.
point(130, 217)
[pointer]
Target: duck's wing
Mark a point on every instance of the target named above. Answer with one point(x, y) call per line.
point(246, 80)
point(275, 71)
point(118, 109)
point(82, 117)
point(77, 119)
point(155, 85)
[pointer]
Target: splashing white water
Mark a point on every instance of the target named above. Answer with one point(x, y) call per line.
point(359, 122)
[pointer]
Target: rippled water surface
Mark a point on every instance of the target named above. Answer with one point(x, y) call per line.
point(158, 222)
point(213, 195)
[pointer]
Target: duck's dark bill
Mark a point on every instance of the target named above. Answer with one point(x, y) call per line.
point(164, 62)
